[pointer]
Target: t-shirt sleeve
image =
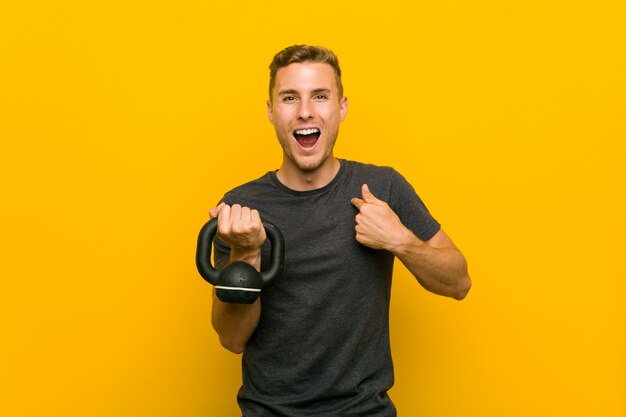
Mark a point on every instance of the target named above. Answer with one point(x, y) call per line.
point(410, 208)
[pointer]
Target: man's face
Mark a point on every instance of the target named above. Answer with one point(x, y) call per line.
point(306, 111)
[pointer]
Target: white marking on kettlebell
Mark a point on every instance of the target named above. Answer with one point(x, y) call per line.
point(220, 287)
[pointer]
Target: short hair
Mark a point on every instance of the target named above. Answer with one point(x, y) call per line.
point(305, 53)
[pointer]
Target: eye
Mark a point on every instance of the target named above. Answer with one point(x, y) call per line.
point(320, 97)
point(289, 98)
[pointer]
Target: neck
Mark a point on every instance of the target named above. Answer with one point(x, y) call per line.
point(302, 180)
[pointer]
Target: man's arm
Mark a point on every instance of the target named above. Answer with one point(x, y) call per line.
point(242, 229)
point(437, 263)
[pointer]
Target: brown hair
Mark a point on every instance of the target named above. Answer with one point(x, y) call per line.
point(305, 53)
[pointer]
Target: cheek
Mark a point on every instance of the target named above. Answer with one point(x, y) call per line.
point(333, 119)
point(282, 133)
point(282, 118)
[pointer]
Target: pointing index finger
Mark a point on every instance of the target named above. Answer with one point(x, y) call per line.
point(357, 202)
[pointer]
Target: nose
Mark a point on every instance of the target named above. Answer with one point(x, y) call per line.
point(305, 111)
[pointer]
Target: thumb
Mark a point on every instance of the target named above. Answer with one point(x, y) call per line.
point(215, 211)
point(368, 197)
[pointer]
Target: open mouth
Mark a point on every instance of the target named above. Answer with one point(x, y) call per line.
point(307, 138)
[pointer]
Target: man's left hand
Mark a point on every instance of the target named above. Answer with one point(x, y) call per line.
point(377, 225)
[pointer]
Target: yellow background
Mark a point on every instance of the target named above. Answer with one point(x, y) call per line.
point(123, 122)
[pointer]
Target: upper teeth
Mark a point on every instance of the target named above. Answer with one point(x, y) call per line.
point(307, 131)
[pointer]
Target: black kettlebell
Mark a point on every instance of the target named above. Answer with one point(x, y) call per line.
point(239, 282)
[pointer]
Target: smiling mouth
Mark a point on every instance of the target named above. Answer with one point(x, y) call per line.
point(307, 138)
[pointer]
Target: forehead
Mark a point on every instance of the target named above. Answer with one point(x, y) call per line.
point(305, 76)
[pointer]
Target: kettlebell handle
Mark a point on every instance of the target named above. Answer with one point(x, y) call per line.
point(205, 242)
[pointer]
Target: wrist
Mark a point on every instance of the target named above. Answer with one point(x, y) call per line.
point(249, 256)
point(405, 243)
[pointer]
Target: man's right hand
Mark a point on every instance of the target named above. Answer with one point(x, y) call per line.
point(242, 229)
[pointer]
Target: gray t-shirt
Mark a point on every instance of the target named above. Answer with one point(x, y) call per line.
point(322, 344)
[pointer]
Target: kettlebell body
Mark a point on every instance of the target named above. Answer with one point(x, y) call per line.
point(239, 282)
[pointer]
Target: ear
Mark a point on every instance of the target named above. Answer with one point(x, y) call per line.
point(343, 107)
point(270, 115)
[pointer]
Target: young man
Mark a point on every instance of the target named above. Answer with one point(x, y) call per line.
point(316, 342)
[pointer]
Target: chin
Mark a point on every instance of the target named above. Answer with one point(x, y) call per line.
point(309, 166)
point(308, 163)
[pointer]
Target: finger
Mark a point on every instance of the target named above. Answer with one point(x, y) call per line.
point(357, 202)
point(367, 194)
point(223, 219)
point(215, 210)
point(255, 217)
point(245, 215)
point(235, 214)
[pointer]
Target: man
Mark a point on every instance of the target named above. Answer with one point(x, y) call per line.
point(316, 342)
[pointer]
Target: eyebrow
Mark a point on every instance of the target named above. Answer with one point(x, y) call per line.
point(288, 91)
point(321, 90)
